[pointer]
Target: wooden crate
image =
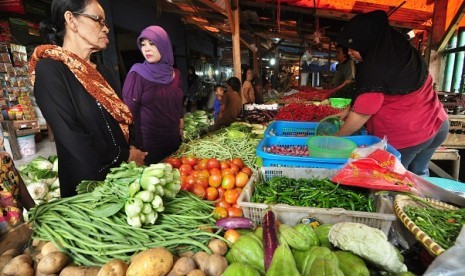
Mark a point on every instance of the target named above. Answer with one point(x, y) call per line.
point(456, 137)
point(14, 129)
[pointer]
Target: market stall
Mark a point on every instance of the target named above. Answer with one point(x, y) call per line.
point(227, 204)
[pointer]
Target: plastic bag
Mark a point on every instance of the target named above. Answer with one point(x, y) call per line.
point(450, 263)
point(362, 152)
point(380, 170)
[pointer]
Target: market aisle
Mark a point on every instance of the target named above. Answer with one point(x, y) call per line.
point(44, 148)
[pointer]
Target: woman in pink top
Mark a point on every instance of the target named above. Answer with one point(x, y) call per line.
point(394, 91)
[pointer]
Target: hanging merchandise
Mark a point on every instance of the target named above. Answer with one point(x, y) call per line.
point(16, 88)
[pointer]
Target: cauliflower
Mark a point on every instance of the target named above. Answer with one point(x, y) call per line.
point(367, 242)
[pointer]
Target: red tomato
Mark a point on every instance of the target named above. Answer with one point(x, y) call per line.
point(234, 167)
point(213, 163)
point(204, 173)
point(238, 162)
point(195, 173)
point(220, 212)
point(228, 182)
point(232, 235)
point(222, 203)
point(221, 191)
point(202, 164)
point(186, 169)
point(241, 179)
point(226, 172)
point(184, 159)
point(214, 180)
point(235, 205)
point(230, 196)
point(198, 190)
point(234, 212)
point(191, 160)
point(202, 181)
point(189, 180)
point(247, 170)
point(215, 171)
point(174, 162)
point(211, 193)
point(224, 165)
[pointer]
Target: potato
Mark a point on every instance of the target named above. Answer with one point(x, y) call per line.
point(48, 248)
point(38, 244)
point(201, 259)
point(53, 262)
point(189, 254)
point(37, 273)
point(4, 259)
point(183, 266)
point(216, 265)
point(218, 247)
point(156, 261)
point(14, 252)
point(23, 258)
point(80, 271)
point(196, 272)
point(114, 268)
point(20, 265)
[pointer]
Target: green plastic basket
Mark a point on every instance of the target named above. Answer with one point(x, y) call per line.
point(339, 102)
point(330, 147)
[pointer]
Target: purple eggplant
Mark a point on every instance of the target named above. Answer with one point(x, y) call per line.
point(235, 223)
point(270, 237)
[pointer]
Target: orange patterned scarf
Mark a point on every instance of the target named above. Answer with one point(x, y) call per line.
point(88, 76)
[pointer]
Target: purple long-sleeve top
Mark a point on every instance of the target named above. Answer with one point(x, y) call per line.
point(157, 110)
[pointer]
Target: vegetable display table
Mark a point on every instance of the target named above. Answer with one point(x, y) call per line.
point(446, 154)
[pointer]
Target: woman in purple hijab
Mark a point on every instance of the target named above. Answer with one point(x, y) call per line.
point(153, 92)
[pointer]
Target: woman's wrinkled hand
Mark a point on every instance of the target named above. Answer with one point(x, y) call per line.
point(137, 155)
point(343, 114)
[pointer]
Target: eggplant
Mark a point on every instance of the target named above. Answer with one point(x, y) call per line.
point(270, 237)
point(235, 223)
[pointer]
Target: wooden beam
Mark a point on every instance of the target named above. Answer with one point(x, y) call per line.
point(213, 6)
point(346, 16)
point(284, 8)
point(227, 5)
point(248, 45)
point(236, 42)
point(452, 27)
point(439, 26)
point(198, 14)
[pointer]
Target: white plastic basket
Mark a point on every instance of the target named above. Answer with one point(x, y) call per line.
point(291, 215)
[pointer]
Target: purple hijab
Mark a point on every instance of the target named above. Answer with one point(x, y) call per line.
point(162, 71)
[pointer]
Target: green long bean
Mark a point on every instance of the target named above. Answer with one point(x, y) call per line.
point(93, 241)
point(442, 226)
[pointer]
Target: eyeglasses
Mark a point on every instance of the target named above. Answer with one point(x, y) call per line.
point(95, 18)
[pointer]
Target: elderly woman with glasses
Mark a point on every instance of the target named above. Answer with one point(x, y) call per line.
point(79, 98)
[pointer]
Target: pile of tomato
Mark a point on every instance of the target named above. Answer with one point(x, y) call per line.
point(216, 180)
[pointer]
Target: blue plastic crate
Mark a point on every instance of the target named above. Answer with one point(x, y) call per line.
point(277, 160)
point(294, 129)
point(288, 128)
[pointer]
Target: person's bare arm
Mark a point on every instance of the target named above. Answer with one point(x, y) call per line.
point(353, 122)
point(24, 196)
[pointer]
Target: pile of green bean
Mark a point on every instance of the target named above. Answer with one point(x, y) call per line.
point(442, 226)
point(315, 192)
point(93, 241)
point(220, 146)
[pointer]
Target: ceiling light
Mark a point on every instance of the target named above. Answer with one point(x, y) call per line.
point(272, 61)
